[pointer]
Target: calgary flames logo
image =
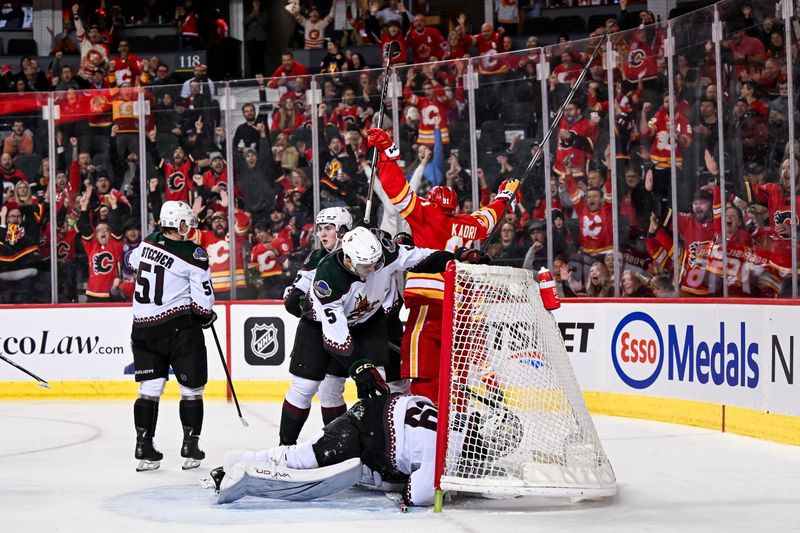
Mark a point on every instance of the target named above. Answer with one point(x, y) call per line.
point(636, 57)
point(698, 253)
point(102, 263)
point(176, 181)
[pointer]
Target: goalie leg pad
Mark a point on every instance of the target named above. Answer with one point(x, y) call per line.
point(267, 480)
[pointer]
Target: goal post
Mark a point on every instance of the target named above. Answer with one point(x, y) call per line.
point(512, 419)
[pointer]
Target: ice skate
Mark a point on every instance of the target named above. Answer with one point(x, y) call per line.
point(190, 450)
point(149, 458)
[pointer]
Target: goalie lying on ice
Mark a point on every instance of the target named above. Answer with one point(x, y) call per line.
point(392, 435)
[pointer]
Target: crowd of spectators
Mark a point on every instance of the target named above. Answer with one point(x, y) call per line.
point(97, 172)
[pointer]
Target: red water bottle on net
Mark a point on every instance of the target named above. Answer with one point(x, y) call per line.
point(548, 290)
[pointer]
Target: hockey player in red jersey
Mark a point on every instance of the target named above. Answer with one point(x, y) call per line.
point(433, 225)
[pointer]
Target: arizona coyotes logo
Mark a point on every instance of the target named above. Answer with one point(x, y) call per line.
point(362, 308)
point(218, 252)
point(176, 181)
point(592, 225)
point(636, 57)
point(62, 250)
point(102, 263)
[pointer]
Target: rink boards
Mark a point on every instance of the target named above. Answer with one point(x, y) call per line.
point(719, 364)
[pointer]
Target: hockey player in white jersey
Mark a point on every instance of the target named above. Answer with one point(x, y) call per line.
point(172, 302)
point(393, 435)
point(331, 225)
point(347, 297)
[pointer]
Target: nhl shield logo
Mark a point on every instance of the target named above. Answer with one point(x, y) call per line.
point(264, 340)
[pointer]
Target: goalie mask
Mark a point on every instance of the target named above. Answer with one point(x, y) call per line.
point(174, 212)
point(341, 220)
point(364, 251)
point(445, 197)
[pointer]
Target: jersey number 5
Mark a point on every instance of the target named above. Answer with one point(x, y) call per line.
point(148, 273)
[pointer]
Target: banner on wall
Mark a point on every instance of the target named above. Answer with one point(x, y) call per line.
point(741, 355)
point(78, 343)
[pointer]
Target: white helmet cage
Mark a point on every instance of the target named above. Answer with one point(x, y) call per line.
point(174, 212)
point(364, 251)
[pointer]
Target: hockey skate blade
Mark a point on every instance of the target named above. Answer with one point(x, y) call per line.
point(190, 464)
point(146, 466)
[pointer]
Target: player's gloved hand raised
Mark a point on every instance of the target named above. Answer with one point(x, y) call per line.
point(508, 190)
point(384, 143)
point(206, 321)
point(472, 256)
point(369, 382)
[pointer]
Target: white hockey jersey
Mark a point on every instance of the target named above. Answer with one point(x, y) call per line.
point(340, 299)
point(173, 283)
point(412, 444)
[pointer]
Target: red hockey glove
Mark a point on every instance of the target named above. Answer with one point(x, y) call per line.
point(383, 142)
point(472, 256)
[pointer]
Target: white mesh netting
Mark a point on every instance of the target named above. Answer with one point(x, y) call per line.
point(517, 420)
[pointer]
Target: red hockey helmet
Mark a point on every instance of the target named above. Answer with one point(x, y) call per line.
point(445, 197)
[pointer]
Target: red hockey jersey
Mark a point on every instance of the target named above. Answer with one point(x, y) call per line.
point(431, 228)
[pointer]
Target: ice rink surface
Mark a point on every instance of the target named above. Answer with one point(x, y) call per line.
point(69, 466)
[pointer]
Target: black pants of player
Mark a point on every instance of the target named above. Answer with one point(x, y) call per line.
point(310, 359)
point(361, 436)
point(184, 350)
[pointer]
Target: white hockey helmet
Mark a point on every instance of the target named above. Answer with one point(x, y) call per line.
point(363, 250)
point(174, 212)
point(338, 216)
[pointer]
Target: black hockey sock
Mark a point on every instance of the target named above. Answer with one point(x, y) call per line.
point(145, 416)
point(191, 412)
point(329, 414)
point(292, 421)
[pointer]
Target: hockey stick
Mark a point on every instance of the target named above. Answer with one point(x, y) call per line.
point(42, 383)
point(547, 136)
point(386, 82)
point(228, 376)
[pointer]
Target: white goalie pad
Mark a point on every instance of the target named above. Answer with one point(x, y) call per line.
point(267, 480)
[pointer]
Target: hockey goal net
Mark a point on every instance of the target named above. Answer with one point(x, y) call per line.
point(512, 419)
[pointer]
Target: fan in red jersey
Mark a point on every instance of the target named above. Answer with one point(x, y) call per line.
point(177, 174)
point(267, 256)
point(434, 224)
point(216, 242)
point(425, 42)
point(103, 251)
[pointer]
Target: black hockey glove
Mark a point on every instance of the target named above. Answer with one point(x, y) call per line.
point(472, 256)
point(369, 382)
point(404, 239)
point(207, 320)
